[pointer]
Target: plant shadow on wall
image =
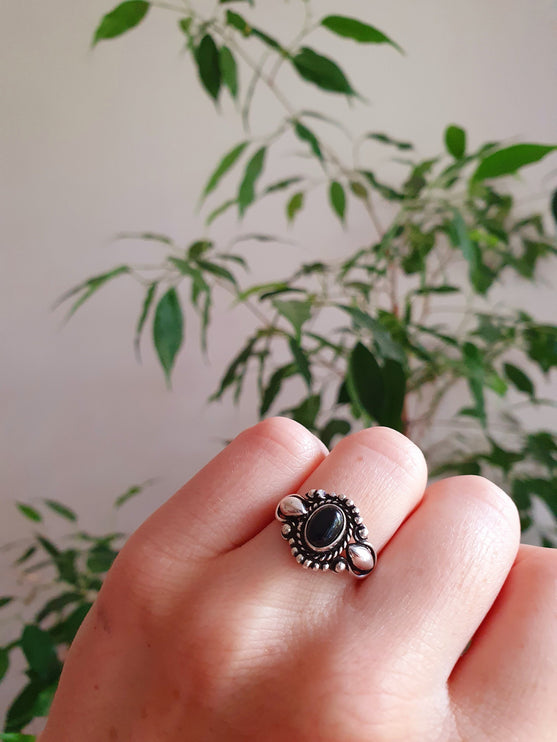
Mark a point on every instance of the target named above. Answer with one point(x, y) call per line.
point(366, 333)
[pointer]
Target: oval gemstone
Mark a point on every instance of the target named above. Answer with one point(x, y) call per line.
point(325, 527)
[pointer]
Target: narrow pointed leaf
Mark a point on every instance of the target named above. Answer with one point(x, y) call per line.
point(351, 28)
point(254, 168)
point(509, 160)
point(207, 58)
point(168, 330)
point(296, 312)
point(124, 17)
point(364, 381)
point(518, 378)
point(321, 71)
point(386, 139)
point(294, 205)
point(147, 302)
point(455, 141)
point(227, 162)
point(229, 70)
point(63, 510)
point(301, 360)
point(29, 512)
point(337, 198)
point(306, 135)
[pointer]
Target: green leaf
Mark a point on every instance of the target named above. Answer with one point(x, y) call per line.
point(124, 17)
point(306, 135)
point(385, 139)
point(301, 360)
point(229, 70)
point(274, 386)
point(364, 381)
point(351, 28)
point(27, 554)
point(240, 24)
point(208, 65)
point(382, 338)
point(296, 312)
point(40, 652)
point(237, 368)
point(227, 162)
point(542, 345)
point(4, 663)
point(337, 197)
point(136, 489)
point(321, 71)
point(147, 302)
point(100, 559)
point(254, 168)
point(511, 159)
point(217, 270)
point(282, 185)
point(294, 205)
point(22, 709)
point(394, 382)
point(306, 412)
point(55, 605)
point(385, 190)
point(62, 510)
point(17, 737)
point(473, 361)
point(90, 286)
point(168, 330)
point(65, 631)
point(443, 289)
point(518, 378)
point(184, 24)
point(554, 205)
point(455, 141)
point(29, 512)
point(332, 428)
point(5, 600)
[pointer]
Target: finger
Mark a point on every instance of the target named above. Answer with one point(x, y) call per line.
point(382, 471)
point(228, 501)
point(438, 577)
point(506, 681)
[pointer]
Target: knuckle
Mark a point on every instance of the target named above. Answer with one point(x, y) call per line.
point(280, 435)
point(392, 445)
point(491, 497)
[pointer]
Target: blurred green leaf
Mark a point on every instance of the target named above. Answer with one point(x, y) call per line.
point(295, 204)
point(394, 382)
point(296, 312)
point(4, 662)
point(273, 388)
point(237, 368)
point(227, 162)
point(27, 554)
point(509, 160)
point(306, 412)
point(124, 17)
point(455, 141)
point(22, 709)
point(100, 559)
point(229, 70)
point(29, 512)
point(282, 185)
point(208, 66)
point(306, 135)
point(473, 361)
point(168, 330)
point(254, 168)
point(90, 286)
point(386, 139)
point(519, 379)
point(351, 28)
point(127, 495)
point(541, 343)
point(40, 652)
point(321, 71)
point(337, 198)
point(217, 270)
point(301, 360)
point(63, 510)
point(5, 600)
point(235, 20)
point(554, 205)
point(56, 604)
point(147, 302)
point(364, 381)
point(332, 428)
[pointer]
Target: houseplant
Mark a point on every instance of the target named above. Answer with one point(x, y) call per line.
point(359, 340)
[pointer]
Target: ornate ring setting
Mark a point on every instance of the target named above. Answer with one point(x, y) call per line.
point(325, 531)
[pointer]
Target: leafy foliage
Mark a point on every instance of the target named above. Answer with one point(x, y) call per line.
point(358, 340)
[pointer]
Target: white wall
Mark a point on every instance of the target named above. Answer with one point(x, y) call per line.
point(120, 138)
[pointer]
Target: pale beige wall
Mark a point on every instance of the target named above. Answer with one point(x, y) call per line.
point(120, 139)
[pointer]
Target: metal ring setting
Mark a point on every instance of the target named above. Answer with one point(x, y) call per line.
point(325, 531)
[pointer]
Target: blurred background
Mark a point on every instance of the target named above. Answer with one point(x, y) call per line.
point(120, 138)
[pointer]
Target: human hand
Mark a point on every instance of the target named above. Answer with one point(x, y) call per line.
point(207, 629)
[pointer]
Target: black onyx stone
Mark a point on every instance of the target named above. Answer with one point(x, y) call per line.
point(325, 526)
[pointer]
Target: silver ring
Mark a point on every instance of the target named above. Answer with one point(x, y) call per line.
point(325, 531)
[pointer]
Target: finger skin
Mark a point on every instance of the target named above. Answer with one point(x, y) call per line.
point(504, 686)
point(438, 577)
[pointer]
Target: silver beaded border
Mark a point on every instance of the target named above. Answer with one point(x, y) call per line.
point(337, 558)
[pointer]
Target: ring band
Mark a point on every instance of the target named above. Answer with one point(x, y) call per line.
point(325, 531)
